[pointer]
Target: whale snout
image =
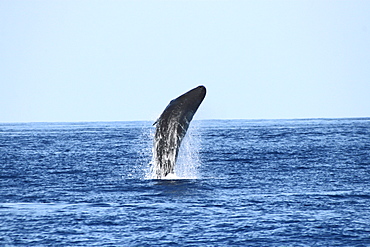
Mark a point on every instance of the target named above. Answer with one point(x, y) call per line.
point(198, 92)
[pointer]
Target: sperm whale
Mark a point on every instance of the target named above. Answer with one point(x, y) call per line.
point(171, 128)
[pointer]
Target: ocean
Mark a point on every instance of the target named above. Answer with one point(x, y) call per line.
point(295, 182)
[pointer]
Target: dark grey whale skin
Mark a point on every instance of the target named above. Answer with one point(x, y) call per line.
point(171, 128)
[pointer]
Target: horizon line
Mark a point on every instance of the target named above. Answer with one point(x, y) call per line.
point(208, 119)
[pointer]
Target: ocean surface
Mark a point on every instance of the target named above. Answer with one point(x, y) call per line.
point(238, 183)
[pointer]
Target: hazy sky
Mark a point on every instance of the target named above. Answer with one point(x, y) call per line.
point(125, 60)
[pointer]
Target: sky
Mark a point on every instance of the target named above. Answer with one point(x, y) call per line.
point(66, 61)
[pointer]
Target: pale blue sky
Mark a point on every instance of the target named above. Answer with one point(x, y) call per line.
point(125, 60)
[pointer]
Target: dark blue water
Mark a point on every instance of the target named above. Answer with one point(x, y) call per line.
point(259, 183)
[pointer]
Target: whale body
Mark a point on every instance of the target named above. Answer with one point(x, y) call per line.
point(171, 128)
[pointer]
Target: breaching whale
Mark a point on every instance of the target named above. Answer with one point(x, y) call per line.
point(171, 128)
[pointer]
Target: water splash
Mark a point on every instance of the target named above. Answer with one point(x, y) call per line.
point(188, 160)
point(144, 144)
